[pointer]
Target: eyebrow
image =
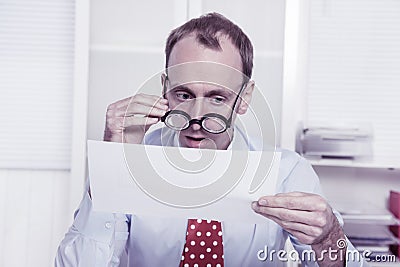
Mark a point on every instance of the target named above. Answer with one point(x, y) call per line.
point(222, 92)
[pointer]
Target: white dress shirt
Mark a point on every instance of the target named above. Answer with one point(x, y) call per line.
point(102, 239)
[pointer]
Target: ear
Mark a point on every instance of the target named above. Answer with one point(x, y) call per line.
point(246, 98)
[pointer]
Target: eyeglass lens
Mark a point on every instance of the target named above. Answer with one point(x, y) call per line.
point(180, 120)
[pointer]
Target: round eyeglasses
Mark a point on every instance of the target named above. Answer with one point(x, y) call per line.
point(214, 123)
point(179, 120)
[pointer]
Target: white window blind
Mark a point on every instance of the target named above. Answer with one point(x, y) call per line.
point(36, 79)
point(354, 69)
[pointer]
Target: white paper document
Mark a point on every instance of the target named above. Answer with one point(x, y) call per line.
point(180, 182)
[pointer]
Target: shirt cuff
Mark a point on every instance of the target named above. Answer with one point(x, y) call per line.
point(99, 226)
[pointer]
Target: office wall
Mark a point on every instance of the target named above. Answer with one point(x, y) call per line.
point(36, 80)
point(34, 216)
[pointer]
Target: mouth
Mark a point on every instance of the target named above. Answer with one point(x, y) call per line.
point(193, 141)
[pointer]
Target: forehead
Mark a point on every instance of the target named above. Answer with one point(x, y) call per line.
point(207, 74)
point(192, 62)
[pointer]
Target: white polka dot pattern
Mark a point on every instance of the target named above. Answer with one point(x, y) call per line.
point(204, 246)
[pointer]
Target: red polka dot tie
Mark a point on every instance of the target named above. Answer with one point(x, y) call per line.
point(204, 247)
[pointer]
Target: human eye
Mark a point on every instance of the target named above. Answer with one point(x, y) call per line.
point(183, 96)
point(217, 99)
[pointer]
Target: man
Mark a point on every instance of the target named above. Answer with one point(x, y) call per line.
point(298, 211)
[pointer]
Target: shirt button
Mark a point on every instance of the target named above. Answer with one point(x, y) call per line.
point(108, 225)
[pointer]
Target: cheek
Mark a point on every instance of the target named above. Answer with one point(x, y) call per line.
point(171, 102)
point(211, 143)
point(218, 141)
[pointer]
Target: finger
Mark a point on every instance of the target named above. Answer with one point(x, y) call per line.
point(264, 200)
point(315, 219)
point(306, 217)
point(142, 107)
point(139, 111)
point(145, 111)
point(289, 226)
point(283, 224)
point(150, 100)
point(304, 233)
point(128, 105)
point(139, 121)
point(302, 237)
point(311, 231)
point(139, 98)
point(120, 103)
point(293, 194)
point(309, 202)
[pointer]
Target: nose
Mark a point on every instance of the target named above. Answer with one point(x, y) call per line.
point(196, 127)
point(197, 108)
point(197, 112)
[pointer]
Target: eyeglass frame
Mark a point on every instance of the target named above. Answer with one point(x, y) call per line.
point(200, 121)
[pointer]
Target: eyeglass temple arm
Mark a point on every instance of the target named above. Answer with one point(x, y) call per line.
point(234, 104)
point(165, 85)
